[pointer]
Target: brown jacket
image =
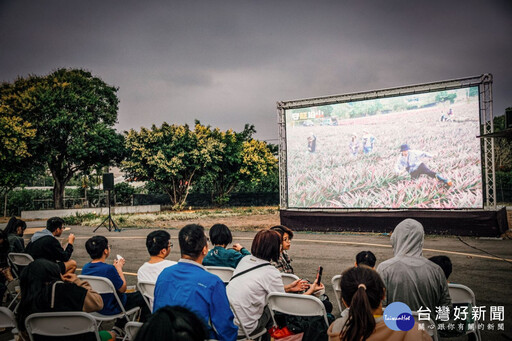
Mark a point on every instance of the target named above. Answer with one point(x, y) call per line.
point(381, 332)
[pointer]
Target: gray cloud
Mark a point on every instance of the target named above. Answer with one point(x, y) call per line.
point(228, 62)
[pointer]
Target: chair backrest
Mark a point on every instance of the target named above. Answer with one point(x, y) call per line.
point(7, 319)
point(242, 327)
point(131, 328)
point(336, 286)
point(225, 273)
point(429, 326)
point(147, 289)
point(461, 294)
point(18, 260)
point(288, 278)
point(103, 285)
point(61, 324)
point(297, 305)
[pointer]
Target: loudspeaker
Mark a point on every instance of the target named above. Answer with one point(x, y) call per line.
point(508, 118)
point(108, 181)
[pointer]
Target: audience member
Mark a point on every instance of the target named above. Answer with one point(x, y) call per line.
point(366, 258)
point(284, 263)
point(445, 263)
point(362, 290)
point(14, 231)
point(44, 289)
point(408, 276)
point(99, 250)
point(44, 244)
point(220, 236)
point(188, 284)
point(255, 277)
point(159, 246)
point(173, 324)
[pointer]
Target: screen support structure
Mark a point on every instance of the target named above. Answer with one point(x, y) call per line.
point(283, 182)
point(487, 120)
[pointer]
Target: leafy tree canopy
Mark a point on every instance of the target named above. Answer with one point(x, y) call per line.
point(73, 114)
point(172, 156)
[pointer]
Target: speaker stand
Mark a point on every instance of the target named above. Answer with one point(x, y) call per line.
point(111, 222)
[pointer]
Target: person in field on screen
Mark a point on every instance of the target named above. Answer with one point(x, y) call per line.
point(311, 143)
point(354, 145)
point(368, 141)
point(411, 161)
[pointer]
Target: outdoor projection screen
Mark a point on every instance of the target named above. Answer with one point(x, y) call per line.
point(401, 149)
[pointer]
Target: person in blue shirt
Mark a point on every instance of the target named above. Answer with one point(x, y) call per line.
point(220, 236)
point(99, 250)
point(188, 284)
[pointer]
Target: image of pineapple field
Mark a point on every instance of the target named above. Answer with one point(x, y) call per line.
point(414, 151)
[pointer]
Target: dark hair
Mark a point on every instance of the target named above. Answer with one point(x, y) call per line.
point(156, 241)
point(173, 323)
point(34, 279)
point(362, 289)
point(281, 229)
point(54, 223)
point(266, 245)
point(220, 235)
point(95, 246)
point(444, 262)
point(192, 240)
point(13, 225)
point(366, 258)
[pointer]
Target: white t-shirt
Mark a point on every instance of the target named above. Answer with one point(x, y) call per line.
point(247, 293)
point(150, 271)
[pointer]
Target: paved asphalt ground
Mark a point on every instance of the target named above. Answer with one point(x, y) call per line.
point(489, 277)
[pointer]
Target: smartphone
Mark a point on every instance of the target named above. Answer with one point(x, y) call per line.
point(119, 257)
point(320, 270)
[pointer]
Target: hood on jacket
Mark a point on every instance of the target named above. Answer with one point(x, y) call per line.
point(407, 238)
point(40, 234)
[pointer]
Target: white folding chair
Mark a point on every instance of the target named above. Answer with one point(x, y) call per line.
point(7, 320)
point(429, 326)
point(461, 294)
point(69, 323)
point(103, 285)
point(288, 278)
point(336, 286)
point(17, 262)
point(225, 273)
point(296, 305)
point(147, 289)
point(242, 331)
point(131, 329)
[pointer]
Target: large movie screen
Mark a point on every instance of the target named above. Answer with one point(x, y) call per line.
point(414, 151)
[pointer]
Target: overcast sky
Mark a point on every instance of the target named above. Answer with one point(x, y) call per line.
point(227, 63)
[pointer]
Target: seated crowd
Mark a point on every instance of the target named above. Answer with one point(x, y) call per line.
point(191, 303)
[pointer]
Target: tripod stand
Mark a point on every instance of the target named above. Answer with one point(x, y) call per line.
point(111, 222)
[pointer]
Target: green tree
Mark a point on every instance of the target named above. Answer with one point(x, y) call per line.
point(172, 156)
point(73, 114)
point(242, 159)
point(17, 160)
point(502, 147)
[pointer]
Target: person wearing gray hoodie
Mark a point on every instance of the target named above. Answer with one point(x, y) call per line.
point(44, 244)
point(408, 276)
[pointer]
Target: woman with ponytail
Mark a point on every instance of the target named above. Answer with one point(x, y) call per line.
point(362, 291)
